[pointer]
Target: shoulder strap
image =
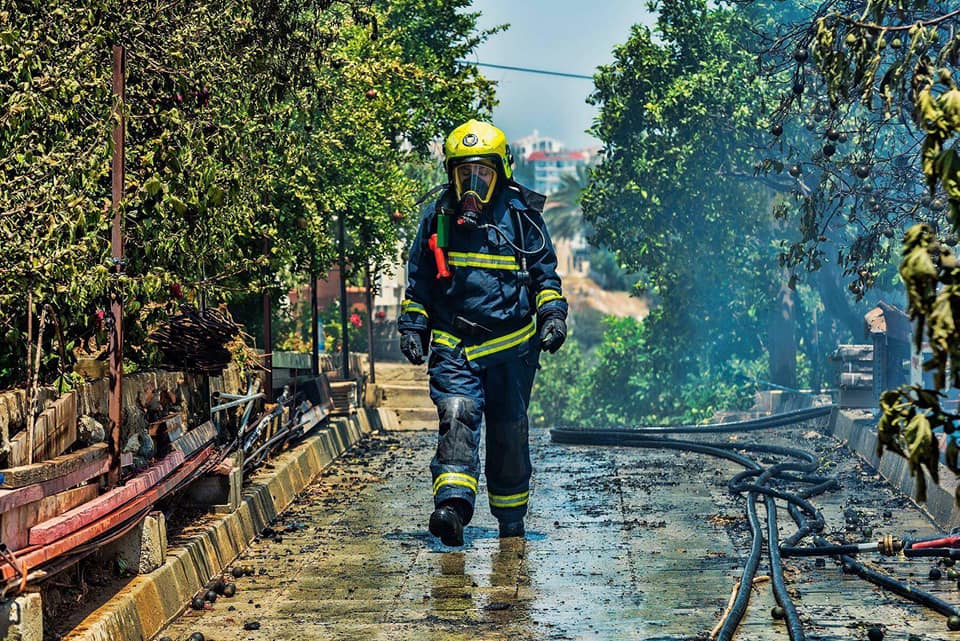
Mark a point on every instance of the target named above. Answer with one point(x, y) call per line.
point(430, 193)
point(530, 198)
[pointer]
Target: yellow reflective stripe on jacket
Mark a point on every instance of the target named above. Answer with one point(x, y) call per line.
point(489, 347)
point(512, 500)
point(455, 478)
point(409, 306)
point(504, 342)
point(488, 261)
point(445, 339)
point(546, 296)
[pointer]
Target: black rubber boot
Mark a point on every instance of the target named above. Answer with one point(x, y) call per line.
point(446, 524)
point(510, 529)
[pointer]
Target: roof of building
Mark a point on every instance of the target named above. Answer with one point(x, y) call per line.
point(889, 320)
point(560, 155)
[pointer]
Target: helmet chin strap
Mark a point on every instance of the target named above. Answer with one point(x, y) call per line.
point(469, 209)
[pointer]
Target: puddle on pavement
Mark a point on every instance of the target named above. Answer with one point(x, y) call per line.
point(610, 553)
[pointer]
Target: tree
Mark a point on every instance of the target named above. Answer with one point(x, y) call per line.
point(672, 199)
point(563, 213)
point(251, 125)
point(885, 70)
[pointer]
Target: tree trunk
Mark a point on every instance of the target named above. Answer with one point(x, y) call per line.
point(836, 302)
point(783, 337)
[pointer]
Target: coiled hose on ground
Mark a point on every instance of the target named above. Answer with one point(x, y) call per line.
point(807, 518)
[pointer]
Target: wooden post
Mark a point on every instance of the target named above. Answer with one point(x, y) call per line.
point(315, 319)
point(29, 330)
point(267, 335)
point(115, 408)
point(345, 335)
point(369, 301)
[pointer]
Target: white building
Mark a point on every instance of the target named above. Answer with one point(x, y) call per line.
point(549, 168)
point(523, 147)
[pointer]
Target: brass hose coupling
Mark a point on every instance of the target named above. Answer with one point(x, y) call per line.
point(889, 545)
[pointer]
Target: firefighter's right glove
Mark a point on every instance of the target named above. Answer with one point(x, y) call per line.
point(411, 344)
point(553, 332)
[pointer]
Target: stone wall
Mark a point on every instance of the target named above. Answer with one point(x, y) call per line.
point(145, 396)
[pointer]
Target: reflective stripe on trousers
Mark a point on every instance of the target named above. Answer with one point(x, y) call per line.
point(465, 395)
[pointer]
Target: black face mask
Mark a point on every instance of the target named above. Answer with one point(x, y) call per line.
point(469, 209)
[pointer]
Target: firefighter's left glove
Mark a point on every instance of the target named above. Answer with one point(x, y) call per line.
point(553, 331)
point(411, 344)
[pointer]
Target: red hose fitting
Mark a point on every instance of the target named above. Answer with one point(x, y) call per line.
point(945, 542)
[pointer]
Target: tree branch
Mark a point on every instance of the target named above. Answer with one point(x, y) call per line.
point(871, 26)
point(776, 185)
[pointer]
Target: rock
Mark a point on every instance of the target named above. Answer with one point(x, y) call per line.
point(133, 443)
point(147, 447)
point(90, 431)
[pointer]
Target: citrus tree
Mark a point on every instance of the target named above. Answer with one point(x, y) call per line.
point(250, 127)
point(676, 198)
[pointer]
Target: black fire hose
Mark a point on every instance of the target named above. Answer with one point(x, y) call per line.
point(633, 438)
point(826, 550)
point(764, 423)
point(794, 626)
point(851, 565)
point(889, 583)
point(795, 502)
point(953, 553)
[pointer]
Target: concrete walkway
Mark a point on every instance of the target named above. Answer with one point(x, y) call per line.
point(622, 544)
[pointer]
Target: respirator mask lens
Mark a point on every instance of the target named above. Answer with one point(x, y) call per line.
point(477, 178)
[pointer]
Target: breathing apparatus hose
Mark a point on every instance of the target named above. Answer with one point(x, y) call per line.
point(520, 250)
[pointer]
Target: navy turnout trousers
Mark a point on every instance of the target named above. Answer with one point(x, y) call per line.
point(465, 394)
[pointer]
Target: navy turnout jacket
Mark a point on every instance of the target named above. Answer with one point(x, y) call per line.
point(489, 305)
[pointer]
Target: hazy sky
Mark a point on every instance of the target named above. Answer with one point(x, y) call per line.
point(557, 35)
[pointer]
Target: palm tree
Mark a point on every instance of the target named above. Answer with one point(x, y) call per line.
point(563, 214)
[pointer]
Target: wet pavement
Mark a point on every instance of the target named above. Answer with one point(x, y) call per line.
point(621, 544)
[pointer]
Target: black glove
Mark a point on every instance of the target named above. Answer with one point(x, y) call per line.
point(411, 344)
point(552, 334)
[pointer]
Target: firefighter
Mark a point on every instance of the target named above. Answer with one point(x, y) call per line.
point(484, 295)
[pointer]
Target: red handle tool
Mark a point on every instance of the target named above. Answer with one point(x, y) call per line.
point(439, 256)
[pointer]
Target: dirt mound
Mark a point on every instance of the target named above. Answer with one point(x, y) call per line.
point(584, 293)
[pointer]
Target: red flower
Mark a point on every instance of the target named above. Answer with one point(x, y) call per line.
point(355, 320)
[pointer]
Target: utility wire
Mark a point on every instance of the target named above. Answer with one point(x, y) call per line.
point(527, 70)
